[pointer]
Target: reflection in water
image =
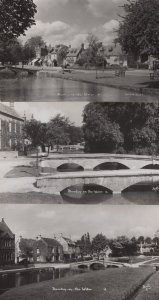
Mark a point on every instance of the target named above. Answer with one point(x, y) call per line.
point(147, 194)
point(56, 89)
point(8, 281)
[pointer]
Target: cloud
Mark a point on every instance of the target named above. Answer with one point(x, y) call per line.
point(49, 30)
point(106, 32)
point(57, 32)
point(107, 9)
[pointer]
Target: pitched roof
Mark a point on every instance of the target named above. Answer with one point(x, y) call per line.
point(113, 50)
point(7, 110)
point(4, 230)
point(51, 242)
point(69, 241)
point(73, 52)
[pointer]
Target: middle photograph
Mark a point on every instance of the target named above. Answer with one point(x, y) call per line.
point(79, 153)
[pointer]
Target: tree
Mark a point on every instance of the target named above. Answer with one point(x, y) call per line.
point(31, 45)
point(11, 51)
point(34, 131)
point(100, 134)
point(16, 16)
point(129, 246)
point(139, 28)
point(141, 239)
point(27, 247)
point(76, 134)
point(61, 54)
point(60, 131)
point(85, 244)
point(122, 127)
point(148, 240)
point(99, 243)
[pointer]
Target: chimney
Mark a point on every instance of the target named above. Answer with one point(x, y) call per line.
point(2, 220)
point(82, 46)
point(24, 117)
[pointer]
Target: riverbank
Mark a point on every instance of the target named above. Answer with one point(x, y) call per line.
point(136, 82)
point(107, 284)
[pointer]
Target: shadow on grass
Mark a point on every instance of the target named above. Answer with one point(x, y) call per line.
point(154, 84)
point(23, 171)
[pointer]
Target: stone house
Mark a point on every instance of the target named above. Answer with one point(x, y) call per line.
point(114, 55)
point(70, 249)
point(7, 245)
point(74, 54)
point(10, 127)
point(145, 248)
point(48, 250)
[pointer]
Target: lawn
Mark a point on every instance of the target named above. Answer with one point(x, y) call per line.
point(23, 171)
point(110, 284)
point(150, 291)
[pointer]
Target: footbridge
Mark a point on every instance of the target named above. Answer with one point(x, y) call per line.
point(113, 181)
point(100, 264)
point(31, 70)
point(96, 161)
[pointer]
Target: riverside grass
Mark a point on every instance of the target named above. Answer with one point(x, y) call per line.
point(151, 289)
point(107, 284)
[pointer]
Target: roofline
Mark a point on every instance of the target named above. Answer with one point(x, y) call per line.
point(13, 117)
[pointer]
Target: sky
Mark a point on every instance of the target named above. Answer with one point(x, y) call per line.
point(70, 21)
point(44, 111)
point(75, 220)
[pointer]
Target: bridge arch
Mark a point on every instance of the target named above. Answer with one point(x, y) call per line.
point(97, 266)
point(83, 189)
point(70, 167)
point(151, 167)
point(139, 186)
point(110, 166)
point(83, 266)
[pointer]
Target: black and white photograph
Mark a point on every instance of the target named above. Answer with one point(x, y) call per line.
point(112, 254)
point(98, 153)
point(79, 50)
point(79, 149)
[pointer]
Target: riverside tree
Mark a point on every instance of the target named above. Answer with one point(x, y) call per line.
point(139, 28)
point(122, 128)
point(16, 16)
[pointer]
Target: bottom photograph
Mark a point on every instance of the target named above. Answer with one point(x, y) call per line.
point(79, 252)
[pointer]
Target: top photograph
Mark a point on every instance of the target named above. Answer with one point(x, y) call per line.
point(85, 50)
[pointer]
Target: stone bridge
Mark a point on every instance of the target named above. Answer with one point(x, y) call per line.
point(92, 161)
point(18, 69)
point(97, 263)
point(113, 181)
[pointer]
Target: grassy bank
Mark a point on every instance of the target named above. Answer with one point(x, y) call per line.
point(110, 284)
point(150, 291)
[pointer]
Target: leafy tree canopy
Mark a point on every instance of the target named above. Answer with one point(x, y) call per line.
point(16, 16)
point(139, 27)
point(121, 127)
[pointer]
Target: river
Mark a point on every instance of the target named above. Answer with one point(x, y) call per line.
point(32, 88)
point(136, 195)
point(17, 279)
